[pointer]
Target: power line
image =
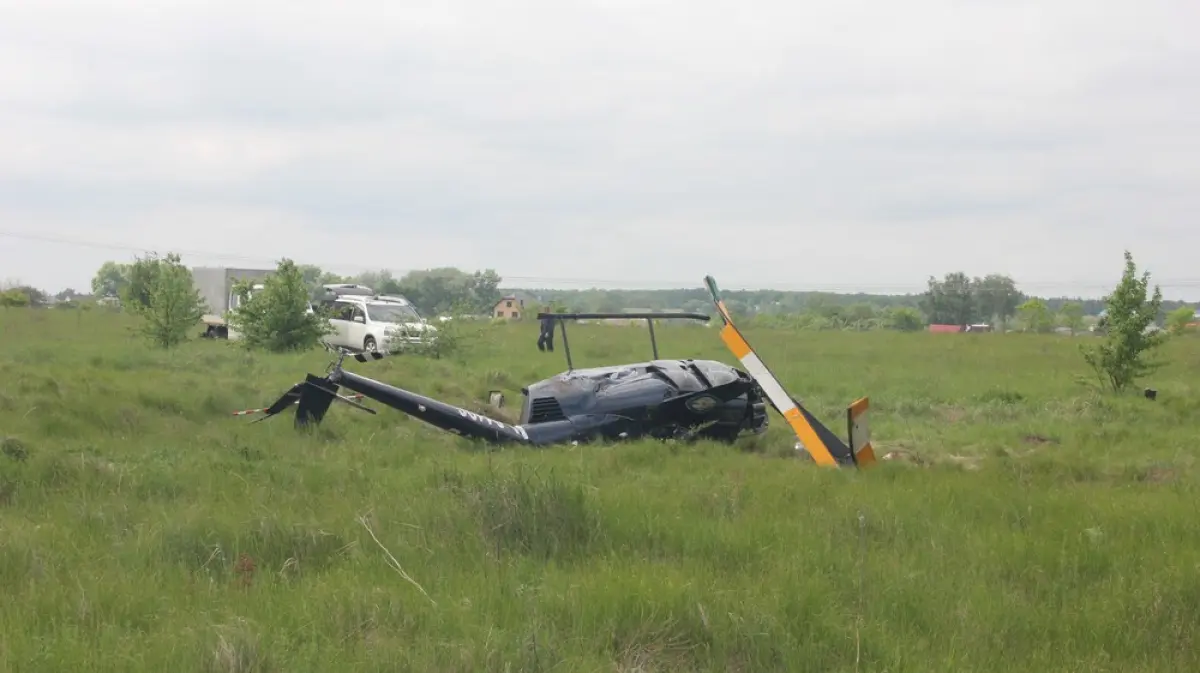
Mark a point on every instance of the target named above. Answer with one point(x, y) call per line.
point(132, 248)
point(548, 281)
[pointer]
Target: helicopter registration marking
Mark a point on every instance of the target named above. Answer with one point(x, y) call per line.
point(480, 418)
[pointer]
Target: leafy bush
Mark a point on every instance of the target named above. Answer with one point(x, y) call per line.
point(142, 276)
point(1177, 320)
point(14, 298)
point(1035, 316)
point(904, 319)
point(1121, 358)
point(1070, 315)
point(167, 300)
point(276, 318)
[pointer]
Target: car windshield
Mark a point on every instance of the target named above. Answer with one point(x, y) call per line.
point(398, 313)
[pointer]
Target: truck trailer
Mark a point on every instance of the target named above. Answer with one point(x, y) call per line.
point(216, 289)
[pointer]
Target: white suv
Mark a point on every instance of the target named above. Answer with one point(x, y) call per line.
point(376, 323)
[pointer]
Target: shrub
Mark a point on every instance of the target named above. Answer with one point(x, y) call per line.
point(1177, 320)
point(1122, 357)
point(276, 318)
point(169, 303)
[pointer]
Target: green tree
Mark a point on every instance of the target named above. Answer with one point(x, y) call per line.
point(381, 281)
point(1071, 316)
point(904, 319)
point(32, 296)
point(276, 318)
point(997, 298)
point(315, 277)
point(950, 301)
point(142, 279)
point(111, 280)
point(1123, 355)
point(1035, 315)
point(860, 312)
point(485, 290)
point(1177, 320)
point(172, 303)
point(14, 298)
point(442, 290)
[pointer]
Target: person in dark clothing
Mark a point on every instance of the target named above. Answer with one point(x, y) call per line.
point(546, 337)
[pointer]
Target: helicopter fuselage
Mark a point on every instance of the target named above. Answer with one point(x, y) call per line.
point(634, 400)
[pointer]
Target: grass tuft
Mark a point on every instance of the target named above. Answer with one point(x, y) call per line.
point(544, 517)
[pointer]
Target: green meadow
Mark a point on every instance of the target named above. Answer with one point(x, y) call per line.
point(1024, 522)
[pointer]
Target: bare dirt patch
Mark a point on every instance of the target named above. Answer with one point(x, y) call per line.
point(905, 456)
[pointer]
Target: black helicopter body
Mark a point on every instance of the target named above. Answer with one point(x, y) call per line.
point(658, 398)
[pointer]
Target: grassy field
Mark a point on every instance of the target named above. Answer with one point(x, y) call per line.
point(144, 528)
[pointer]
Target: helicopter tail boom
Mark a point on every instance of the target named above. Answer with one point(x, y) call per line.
point(436, 413)
point(316, 394)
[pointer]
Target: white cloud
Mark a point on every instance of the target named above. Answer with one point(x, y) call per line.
point(834, 144)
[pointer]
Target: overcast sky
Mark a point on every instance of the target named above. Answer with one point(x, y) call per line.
point(828, 144)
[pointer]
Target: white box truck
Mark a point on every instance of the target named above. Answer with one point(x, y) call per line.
point(216, 289)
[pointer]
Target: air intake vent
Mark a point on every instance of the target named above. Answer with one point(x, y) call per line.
point(544, 409)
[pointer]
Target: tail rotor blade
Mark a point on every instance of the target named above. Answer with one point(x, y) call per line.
point(824, 446)
point(286, 400)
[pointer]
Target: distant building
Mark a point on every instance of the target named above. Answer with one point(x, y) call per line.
point(509, 308)
point(977, 327)
point(945, 328)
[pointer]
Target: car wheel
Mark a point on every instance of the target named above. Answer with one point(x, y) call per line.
point(369, 345)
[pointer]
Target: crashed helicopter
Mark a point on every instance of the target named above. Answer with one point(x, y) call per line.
point(660, 398)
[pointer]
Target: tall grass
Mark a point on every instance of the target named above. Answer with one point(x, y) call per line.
point(143, 528)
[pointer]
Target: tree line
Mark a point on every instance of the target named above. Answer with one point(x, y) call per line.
point(955, 299)
point(162, 292)
point(433, 291)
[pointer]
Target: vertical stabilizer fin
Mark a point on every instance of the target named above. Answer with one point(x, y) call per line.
point(860, 432)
